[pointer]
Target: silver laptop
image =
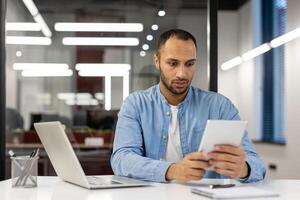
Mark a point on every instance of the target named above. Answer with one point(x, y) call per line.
point(66, 164)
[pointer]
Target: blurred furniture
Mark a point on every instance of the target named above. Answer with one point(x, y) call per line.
point(95, 159)
point(13, 120)
point(45, 117)
point(102, 119)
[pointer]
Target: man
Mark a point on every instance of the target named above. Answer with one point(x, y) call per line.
point(159, 130)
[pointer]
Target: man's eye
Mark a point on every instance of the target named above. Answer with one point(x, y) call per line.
point(190, 64)
point(173, 64)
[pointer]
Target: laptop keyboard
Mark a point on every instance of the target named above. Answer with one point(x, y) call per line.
point(94, 180)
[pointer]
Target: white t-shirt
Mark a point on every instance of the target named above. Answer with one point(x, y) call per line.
point(174, 153)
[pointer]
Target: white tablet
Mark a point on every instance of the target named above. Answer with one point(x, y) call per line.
point(222, 132)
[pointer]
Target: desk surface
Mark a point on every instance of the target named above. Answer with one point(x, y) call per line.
point(52, 188)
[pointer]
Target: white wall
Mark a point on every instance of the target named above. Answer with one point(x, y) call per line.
point(195, 22)
point(238, 84)
point(242, 86)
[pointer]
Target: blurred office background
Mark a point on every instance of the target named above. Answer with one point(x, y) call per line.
point(52, 74)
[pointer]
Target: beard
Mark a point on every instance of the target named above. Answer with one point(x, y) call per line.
point(169, 87)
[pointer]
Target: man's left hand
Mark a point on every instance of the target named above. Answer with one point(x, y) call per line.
point(229, 161)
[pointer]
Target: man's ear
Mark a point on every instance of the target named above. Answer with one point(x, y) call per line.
point(156, 61)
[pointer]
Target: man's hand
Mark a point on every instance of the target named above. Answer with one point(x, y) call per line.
point(229, 161)
point(191, 167)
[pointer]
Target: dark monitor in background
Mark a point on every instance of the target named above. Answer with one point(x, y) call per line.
point(46, 117)
point(102, 119)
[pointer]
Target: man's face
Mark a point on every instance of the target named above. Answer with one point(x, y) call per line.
point(176, 63)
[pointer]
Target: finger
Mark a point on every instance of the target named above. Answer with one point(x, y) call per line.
point(229, 149)
point(223, 165)
point(226, 172)
point(223, 157)
point(198, 164)
point(190, 178)
point(195, 172)
point(197, 156)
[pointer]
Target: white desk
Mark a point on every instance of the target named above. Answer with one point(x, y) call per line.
point(52, 188)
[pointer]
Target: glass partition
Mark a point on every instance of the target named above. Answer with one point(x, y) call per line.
point(76, 61)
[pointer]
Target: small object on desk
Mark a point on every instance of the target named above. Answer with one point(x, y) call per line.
point(238, 192)
point(215, 186)
point(24, 168)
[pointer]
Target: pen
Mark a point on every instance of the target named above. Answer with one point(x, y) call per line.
point(215, 186)
point(33, 155)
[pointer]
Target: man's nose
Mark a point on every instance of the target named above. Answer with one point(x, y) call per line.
point(181, 73)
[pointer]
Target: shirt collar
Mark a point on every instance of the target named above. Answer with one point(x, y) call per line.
point(181, 104)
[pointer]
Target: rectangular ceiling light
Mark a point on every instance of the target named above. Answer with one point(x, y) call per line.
point(107, 96)
point(26, 26)
point(45, 29)
point(37, 17)
point(99, 27)
point(231, 63)
point(40, 66)
point(31, 7)
point(285, 38)
point(101, 41)
point(26, 40)
point(47, 73)
point(98, 73)
point(103, 66)
point(256, 52)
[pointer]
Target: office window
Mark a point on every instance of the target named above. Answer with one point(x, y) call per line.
point(273, 25)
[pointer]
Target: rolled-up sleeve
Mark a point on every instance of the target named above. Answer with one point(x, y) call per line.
point(128, 152)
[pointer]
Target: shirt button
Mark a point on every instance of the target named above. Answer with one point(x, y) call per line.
point(164, 137)
point(160, 159)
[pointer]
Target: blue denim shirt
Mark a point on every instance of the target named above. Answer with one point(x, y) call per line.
point(142, 133)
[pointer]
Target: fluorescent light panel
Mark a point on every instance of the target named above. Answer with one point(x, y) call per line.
point(37, 17)
point(40, 66)
point(231, 63)
point(285, 38)
point(102, 66)
point(45, 29)
point(101, 73)
point(27, 40)
point(99, 27)
point(107, 104)
point(47, 73)
point(256, 52)
point(101, 41)
point(126, 85)
point(31, 7)
point(19, 26)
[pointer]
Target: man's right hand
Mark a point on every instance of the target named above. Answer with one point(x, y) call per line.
point(191, 167)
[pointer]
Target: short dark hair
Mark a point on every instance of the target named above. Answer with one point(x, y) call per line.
point(178, 33)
